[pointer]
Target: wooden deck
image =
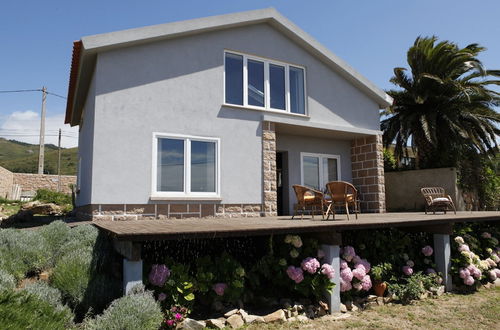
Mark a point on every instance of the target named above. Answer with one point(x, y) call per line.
point(149, 230)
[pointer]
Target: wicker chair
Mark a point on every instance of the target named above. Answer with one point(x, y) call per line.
point(342, 194)
point(308, 197)
point(436, 199)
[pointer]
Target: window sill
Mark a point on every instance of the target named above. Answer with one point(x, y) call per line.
point(281, 112)
point(184, 198)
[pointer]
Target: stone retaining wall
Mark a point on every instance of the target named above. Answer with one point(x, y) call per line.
point(33, 182)
point(179, 210)
point(6, 182)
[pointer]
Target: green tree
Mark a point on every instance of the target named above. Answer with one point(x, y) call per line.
point(444, 106)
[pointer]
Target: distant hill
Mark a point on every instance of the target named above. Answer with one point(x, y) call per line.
point(23, 158)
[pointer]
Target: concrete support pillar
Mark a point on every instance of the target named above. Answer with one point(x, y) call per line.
point(132, 274)
point(332, 256)
point(442, 254)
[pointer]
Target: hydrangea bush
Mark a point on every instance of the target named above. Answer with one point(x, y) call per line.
point(354, 271)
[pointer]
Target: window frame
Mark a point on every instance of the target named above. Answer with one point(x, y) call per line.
point(267, 85)
point(186, 193)
point(320, 157)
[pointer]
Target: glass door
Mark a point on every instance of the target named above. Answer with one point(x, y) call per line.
point(318, 169)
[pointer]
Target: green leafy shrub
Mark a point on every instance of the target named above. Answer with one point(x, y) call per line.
point(381, 271)
point(71, 275)
point(413, 288)
point(55, 235)
point(22, 252)
point(7, 281)
point(50, 196)
point(135, 311)
point(45, 292)
point(21, 310)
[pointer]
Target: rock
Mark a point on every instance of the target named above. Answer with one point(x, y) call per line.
point(254, 319)
point(353, 307)
point(235, 321)
point(243, 313)
point(335, 317)
point(324, 305)
point(288, 313)
point(37, 207)
point(343, 308)
point(440, 291)
point(279, 315)
point(370, 304)
point(302, 318)
point(371, 297)
point(497, 282)
point(294, 313)
point(190, 324)
point(323, 308)
point(44, 276)
point(380, 301)
point(387, 299)
point(292, 319)
point(424, 295)
point(216, 323)
point(231, 312)
point(298, 307)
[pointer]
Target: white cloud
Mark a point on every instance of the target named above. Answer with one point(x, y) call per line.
point(24, 126)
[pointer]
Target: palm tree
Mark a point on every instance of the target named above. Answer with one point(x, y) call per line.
point(445, 105)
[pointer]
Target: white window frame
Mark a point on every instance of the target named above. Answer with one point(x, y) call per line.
point(186, 193)
point(267, 85)
point(320, 157)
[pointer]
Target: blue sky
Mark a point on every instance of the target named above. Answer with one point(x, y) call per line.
point(372, 36)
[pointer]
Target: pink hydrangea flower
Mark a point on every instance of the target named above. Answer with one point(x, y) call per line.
point(170, 323)
point(310, 265)
point(348, 253)
point(427, 251)
point(497, 272)
point(463, 273)
point(321, 254)
point(474, 271)
point(158, 275)
point(486, 235)
point(328, 271)
point(430, 271)
point(366, 283)
point(469, 280)
point(463, 247)
point(345, 285)
point(491, 263)
point(162, 296)
point(356, 259)
point(407, 270)
point(493, 275)
point(363, 263)
point(346, 274)
point(295, 274)
point(219, 288)
point(343, 264)
point(359, 272)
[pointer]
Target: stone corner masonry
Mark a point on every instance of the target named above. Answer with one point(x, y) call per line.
point(368, 172)
point(269, 169)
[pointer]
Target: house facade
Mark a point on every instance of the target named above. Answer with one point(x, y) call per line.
point(218, 116)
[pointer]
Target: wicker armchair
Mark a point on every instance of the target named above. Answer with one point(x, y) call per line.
point(342, 194)
point(437, 200)
point(308, 197)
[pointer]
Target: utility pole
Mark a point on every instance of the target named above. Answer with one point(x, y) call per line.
point(59, 163)
point(42, 133)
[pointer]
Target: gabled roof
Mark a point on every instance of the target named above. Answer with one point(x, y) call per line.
point(85, 51)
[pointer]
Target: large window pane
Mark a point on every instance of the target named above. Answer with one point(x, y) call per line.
point(277, 84)
point(234, 79)
point(170, 170)
point(255, 83)
point(311, 171)
point(202, 166)
point(329, 170)
point(297, 97)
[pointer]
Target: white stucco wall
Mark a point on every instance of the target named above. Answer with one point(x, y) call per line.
point(176, 86)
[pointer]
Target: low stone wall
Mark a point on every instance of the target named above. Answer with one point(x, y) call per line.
point(179, 210)
point(6, 182)
point(33, 182)
point(402, 188)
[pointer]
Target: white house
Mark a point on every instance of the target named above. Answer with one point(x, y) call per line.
point(218, 116)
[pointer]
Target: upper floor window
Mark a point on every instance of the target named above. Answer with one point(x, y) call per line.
point(258, 83)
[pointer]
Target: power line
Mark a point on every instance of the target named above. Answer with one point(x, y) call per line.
point(32, 90)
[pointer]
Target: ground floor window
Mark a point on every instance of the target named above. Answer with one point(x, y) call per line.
point(185, 166)
point(318, 169)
